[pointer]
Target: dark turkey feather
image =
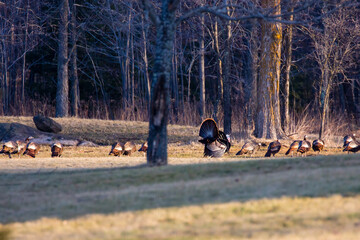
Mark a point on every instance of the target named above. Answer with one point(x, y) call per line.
point(216, 142)
point(208, 131)
point(274, 147)
point(318, 145)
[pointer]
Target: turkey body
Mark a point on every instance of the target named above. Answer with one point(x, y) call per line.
point(117, 149)
point(304, 146)
point(318, 145)
point(8, 148)
point(129, 148)
point(348, 139)
point(21, 146)
point(215, 141)
point(293, 148)
point(32, 149)
point(56, 149)
point(352, 146)
point(274, 147)
point(249, 148)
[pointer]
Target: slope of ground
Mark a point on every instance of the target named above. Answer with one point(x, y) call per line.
point(314, 197)
point(87, 194)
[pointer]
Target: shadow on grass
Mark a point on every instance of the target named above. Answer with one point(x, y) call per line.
point(69, 194)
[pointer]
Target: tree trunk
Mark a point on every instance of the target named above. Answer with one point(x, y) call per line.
point(175, 89)
point(227, 82)
point(145, 57)
point(202, 68)
point(219, 80)
point(24, 58)
point(268, 123)
point(288, 54)
point(74, 79)
point(62, 90)
point(249, 64)
point(160, 100)
point(324, 99)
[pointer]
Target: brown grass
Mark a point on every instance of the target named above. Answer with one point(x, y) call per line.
point(87, 194)
point(261, 199)
point(105, 132)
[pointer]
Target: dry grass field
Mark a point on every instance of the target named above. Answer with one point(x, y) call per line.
point(87, 194)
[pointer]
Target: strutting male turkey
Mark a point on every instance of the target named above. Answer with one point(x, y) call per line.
point(215, 141)
point(274, 148)
point(249, 147)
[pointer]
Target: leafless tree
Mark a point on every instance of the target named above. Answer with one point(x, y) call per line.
point(335, 45)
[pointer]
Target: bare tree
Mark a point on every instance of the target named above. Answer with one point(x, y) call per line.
point(334, 44)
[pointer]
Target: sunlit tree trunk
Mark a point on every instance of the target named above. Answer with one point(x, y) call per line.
point(219, 80)
point(202, 69)
point(268, 123)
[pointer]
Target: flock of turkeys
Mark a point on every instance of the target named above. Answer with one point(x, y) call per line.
point(216, 144)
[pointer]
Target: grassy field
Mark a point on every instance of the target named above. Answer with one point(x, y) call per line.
point(89, 195)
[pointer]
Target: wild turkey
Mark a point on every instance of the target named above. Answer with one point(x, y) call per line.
point(352, 146)
point(57, 149)
point(318, 145)
point(215, 141)
point(249, 147)
point(117, 149)
point(21, 146)
point(144, 147)
point(32, 149)
point(129, 148)
point(274, 148)
point(8, 148)
point(348, 139)
point(304, 146)
point(293, 148)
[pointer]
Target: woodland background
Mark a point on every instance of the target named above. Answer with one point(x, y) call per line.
point(272, 66)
